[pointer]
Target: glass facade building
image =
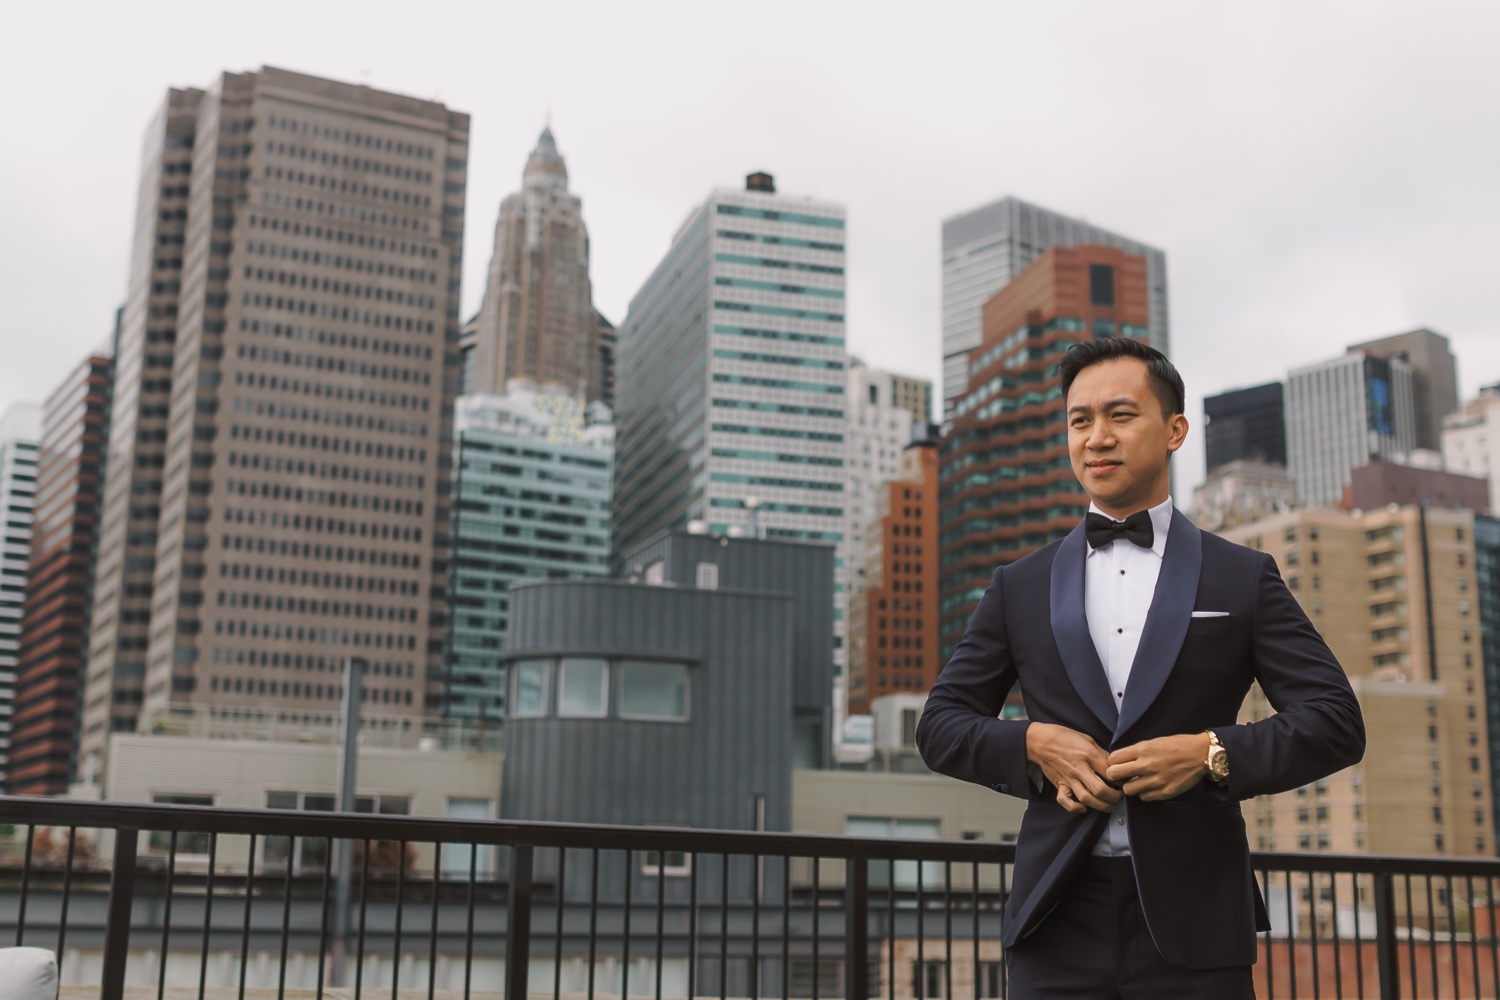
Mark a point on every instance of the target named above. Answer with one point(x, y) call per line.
point(1343, 414)
point(986, 248)
point(731, 380)
point(532, 501)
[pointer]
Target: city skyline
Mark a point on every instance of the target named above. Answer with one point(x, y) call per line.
point(1320, 210)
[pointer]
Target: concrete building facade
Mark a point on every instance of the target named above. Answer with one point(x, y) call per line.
point(1394, 593)
point(1471, 439)
point(1242, 492)
point(297, 373)
point(20, 437)
point(1245, 425)
point(879, 429)
point(59, 591)
point(1381, 484)
point(537, 320)
point(1434, 372)
point(1344, 413)
point(893, 620)
point(988, 247)
point(1007, 483)
point(534, 476)
point(731, 382)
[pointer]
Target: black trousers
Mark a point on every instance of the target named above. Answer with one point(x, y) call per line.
point(1095, 946)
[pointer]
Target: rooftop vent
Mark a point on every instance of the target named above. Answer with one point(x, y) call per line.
point(760, 181)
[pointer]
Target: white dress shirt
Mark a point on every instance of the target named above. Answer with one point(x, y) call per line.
point(1119, 580)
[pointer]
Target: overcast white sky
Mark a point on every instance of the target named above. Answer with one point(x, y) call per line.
point(1318, 173)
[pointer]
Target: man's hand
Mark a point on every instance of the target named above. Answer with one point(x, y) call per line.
point(1074, 763)
point(1155, 770)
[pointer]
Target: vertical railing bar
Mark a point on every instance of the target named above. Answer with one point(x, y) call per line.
point(1387, 951)
point(661, 903)
point(1489, 894)
point(724, 928)
point(974, 901)
point(1359, 946)
point(625, 926)
point(323, 920)
point(208, 910)
point(400, 899)
point(857, 929)
point(817, 881)
point(518, 922)
point(364, 899)
point(1291, 935)
point(249, 902)
point(594, 920)
point(1004, 898)
point(469, 937)
point(757, 876)
point(890, 929)
point(62, 919)
point(948, 930)
point(117, 924)
point(786, 926)
point(166, 917)
point(432, 940)
point(1452, 936)
point(557, 951)
point(1338, 946)
point(921, 990)
point(1473, 930)
point(1411, 939)
point(1312, 930)
point(286, 916)
point(692, 923)
point(1265, 891)
point(25, 887)
point(1432, 943)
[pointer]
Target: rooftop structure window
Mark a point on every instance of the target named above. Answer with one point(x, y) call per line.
point(530, 699)
point(653, 690)
point(583, 688)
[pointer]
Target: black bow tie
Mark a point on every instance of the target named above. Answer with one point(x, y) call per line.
point(1101, 530)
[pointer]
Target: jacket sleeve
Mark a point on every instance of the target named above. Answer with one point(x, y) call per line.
point(959, 733)
point(1317, 728)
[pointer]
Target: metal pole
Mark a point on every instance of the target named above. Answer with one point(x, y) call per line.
point(354, 668)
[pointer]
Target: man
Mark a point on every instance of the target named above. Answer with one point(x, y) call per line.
point(1134, 640)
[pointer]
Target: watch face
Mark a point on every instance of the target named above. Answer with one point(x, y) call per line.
point(1218, 762)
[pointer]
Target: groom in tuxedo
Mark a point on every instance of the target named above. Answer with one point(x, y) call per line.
point(1134, 640)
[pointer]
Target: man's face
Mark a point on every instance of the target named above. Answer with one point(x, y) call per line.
point(1119, 439)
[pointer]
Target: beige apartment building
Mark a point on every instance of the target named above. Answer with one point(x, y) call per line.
point(278, 471)
point(1393, 593)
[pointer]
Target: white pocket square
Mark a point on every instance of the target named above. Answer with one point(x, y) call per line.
point(1210, 614)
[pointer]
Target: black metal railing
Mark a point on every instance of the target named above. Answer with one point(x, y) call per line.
point(227, 900)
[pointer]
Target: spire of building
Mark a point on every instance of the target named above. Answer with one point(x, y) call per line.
point(545, 166)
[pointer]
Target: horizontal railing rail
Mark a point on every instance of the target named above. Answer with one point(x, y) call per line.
point(221, 900)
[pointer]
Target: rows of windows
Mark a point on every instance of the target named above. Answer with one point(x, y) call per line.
point(348, 137)
point(309, 307)
point(323, 579)
point(774, 482)
point(332, 609)
point(592, 688)
point(782, 458)
point(789, 385)
point(788, 336)
point(773, 215)
point(780, 508)
point(331, 498)
point(338, 209)
point(329, 470)
point(322, 442)
point(396, 243)
point(416, 200)
point(787, 409)
point(782, 311)
point(309, 690)
point(833, 364)
point(794, 433)
point(783, 241)
point(773, 286)
point(787, 265)
point(337, 287)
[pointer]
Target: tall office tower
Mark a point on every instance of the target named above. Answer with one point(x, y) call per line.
point(915, 395)
point(878, 431)
point(20, 433)
point(296, 511)
point(1342, 414)
point(893, 620)
point(1487, 596)
point(1007, 483)
point(533, 484)
point(1471, 440)
point(731, 379)
point(1434, 375)
point(986, 248)
point(59, 591)
point(1245, 424)
point(537, 320)
point(1393, 592)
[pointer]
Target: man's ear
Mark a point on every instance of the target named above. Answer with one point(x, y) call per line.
point(1177, 429)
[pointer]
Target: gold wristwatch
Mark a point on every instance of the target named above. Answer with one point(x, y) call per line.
point(1218, 758)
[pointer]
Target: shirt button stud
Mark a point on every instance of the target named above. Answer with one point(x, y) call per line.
point(1120, 630)
point(1119, 821)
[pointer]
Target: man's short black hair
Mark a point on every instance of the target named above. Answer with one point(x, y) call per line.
point(1165, 381)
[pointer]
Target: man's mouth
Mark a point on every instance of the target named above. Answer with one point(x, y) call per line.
point(1102, 466)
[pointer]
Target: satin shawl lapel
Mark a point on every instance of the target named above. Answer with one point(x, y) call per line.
point(1070, 629)
point(1166, 622)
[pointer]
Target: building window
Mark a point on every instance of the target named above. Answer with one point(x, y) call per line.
point(583, 688)
point(653, 690)
point(458, 858)
point(928, 980)
point(160, 841)
point(708, 576)
point(530, 697)
point(1101, 285)
point(669, 863)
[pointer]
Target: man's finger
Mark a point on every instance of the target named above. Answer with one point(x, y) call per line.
point(1120, 773)
point(1124, 754)
point(1066, 800)
point(1100, 789)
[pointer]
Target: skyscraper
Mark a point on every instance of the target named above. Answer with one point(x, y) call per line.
point(59, 591)
point(1434, 374)
point(731, 380)
point(20, 434)
point(537, 320)
point(1343, 413)
point(986, 248)
point(276, 493)
point(534, 478)
point(879, 429)
point(1245, 424)
point(1007, 482)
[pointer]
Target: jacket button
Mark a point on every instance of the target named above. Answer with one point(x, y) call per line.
point(1004, 787)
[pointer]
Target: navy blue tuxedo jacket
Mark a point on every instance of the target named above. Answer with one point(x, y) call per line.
point(1191, 857)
